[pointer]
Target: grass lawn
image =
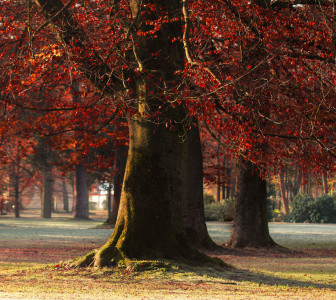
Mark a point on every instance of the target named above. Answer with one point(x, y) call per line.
point(34, 256)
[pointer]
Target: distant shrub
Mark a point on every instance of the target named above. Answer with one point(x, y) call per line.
point(228, 209)
point(213, 211)
point(270, 209)
point(92, 205)
point(104, 205)
point(277, 216)
point(222, 211)
point(207, 198)
point(306, 209)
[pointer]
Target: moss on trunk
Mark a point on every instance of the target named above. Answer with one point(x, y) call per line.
point(193, 205)
point(150, 223)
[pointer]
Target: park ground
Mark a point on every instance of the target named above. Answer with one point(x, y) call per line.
point(35, 255)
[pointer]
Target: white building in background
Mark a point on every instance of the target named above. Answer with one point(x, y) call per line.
point(98, 196)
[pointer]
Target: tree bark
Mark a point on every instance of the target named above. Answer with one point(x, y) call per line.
point(109, 202)
point(297, 183)
point(65, 196)
point(218, 171)
point(193, 204)
point(120, 165)
point(306, 184)
point(225, 179)
point(229, 184)
point(47, 192)
point(150, 224)
point(325, 184)
point(81, 207)
point(250, 227)
point(17, 194)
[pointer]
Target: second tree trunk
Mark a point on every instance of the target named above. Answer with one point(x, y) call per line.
point(250, 227)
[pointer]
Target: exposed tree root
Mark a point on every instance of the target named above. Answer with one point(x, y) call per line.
point(235, 242)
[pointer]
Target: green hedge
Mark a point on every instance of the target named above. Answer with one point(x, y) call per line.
point(306, 209)
point(222, 211)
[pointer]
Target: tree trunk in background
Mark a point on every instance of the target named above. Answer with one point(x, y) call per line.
point(218, 171)
point(325, 184)
point(120, 165)
point(193, 205)
point(283, 196)
point(250, 227)
point(305, 186)
point(228, 187)
point(81, 207)
point(109, 202)
point(224, 181)
point(47, 192)
point(65, 196)
point(16, 194)
point(297, 183)
point(233, 181)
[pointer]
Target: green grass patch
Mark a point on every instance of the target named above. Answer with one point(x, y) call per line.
point(31, 248)
point(299, 277)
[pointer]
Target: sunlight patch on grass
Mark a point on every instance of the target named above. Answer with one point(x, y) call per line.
point(168, 281)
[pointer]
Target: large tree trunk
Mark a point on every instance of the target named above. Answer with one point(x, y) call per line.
point(193, 205)
point(81, 207)
point(219, 186)
point(150, 223)
point(47, 192)
point(250, 227)
point(120, 165)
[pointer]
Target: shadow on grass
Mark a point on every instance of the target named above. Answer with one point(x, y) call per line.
point(259, 277)
point(234, 275)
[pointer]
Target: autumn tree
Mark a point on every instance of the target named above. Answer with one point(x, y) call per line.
point(150, 220)
point(267, 91)
point(242, 67)
point(19, 173)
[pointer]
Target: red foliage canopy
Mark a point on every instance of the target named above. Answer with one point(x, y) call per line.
point(262, 73)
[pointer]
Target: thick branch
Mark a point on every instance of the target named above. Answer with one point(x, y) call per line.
point(74, 38)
